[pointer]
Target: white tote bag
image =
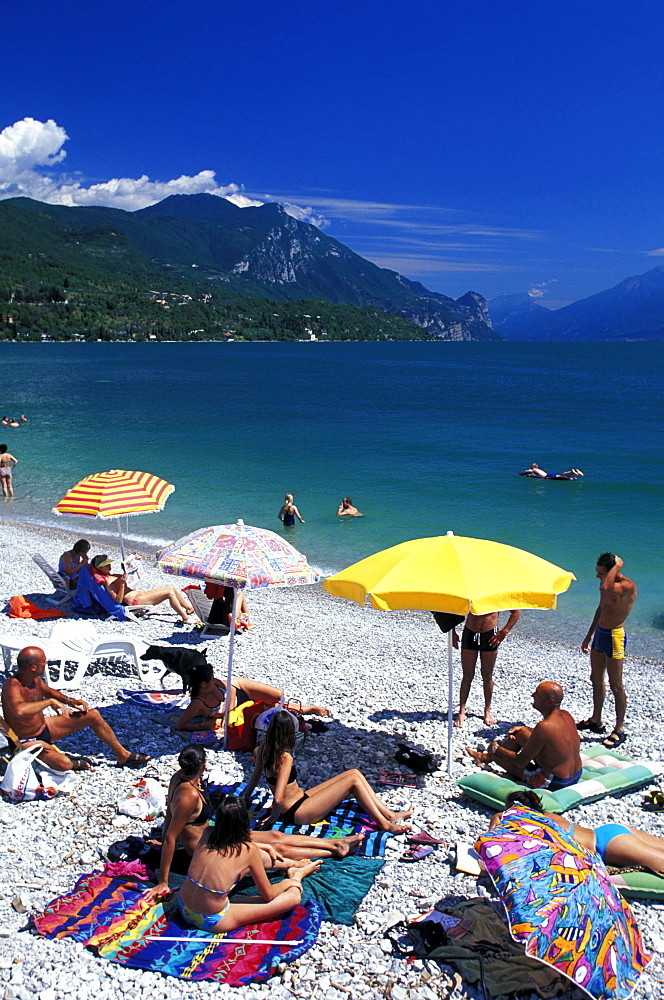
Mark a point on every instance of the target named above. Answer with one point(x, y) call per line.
point(58, 781)
point(20, 781)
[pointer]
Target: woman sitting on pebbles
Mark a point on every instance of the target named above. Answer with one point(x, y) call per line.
point(292, 805)
point(189, 811)
point(208, 695)
point(617, 845)
point(223, 856)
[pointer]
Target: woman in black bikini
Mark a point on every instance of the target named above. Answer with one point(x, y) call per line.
point(208, 694)
point(189, 811)
point(292, 805)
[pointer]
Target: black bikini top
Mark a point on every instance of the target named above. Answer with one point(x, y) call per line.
point(272, 782)
point(207, 809)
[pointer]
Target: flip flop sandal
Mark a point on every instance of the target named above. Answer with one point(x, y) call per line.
point(81, 764)
point(593, 727)
point(136, 761)
point(424, 838)
point(416, 853)
point(614, 740)
point(654, 802)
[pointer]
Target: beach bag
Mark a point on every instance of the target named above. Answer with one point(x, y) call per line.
point(20, 782)
point(241, 725)
point(57, 781)
point(145, 799)
point(294, 709)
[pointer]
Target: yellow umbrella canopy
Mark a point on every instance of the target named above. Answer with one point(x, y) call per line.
point(454, 574)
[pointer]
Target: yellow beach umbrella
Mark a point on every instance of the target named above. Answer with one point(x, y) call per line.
point(453, 574)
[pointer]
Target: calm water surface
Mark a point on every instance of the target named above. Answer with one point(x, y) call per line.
point(425, 438)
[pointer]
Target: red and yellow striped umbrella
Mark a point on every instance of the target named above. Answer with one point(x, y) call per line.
point(114, 494)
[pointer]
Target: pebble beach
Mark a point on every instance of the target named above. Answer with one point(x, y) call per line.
point(383, 676)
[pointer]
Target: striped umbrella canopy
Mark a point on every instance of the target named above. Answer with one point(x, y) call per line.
point(114, 494)
point(240, 557)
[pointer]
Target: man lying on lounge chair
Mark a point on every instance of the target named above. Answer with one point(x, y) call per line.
point(24, 698)
point(547, 756)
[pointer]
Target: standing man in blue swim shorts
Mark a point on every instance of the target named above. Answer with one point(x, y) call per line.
point(609, 642)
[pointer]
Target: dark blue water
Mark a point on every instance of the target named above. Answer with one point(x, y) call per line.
point(423, 437)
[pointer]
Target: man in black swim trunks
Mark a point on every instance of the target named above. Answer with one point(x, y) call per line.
point(480, 635)
point(24, 698)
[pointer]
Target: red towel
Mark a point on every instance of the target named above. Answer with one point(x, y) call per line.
point(21, 607)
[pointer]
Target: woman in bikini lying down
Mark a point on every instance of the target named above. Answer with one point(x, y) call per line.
point(188, 814)
point(116, 585)
point(616, 844)
point(292, 805)
point(208, 696)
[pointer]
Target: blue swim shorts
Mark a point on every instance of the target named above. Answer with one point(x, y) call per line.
point(610, 641)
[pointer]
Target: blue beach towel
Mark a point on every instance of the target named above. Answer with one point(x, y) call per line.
point(92, 598)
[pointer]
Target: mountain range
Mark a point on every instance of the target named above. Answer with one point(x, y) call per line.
point(259, 252)
point(632, 310)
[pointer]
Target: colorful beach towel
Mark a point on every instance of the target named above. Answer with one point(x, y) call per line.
point(343, 821)
point(166, 701)
point(561, 905)
point(112, 917)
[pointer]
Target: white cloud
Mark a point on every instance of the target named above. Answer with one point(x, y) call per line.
point(537, 291)
point(30, 143)
point(423, 264)
point(29, 146)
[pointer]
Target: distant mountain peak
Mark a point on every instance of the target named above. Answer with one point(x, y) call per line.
point(631, 310)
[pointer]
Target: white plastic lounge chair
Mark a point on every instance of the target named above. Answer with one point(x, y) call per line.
point(75, 645)
point(80, 641)
point(63, 594)
point(12, 642)
point(202, 605)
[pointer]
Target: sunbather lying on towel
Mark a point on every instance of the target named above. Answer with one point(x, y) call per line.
point(616, 844)
point(208, 694)
point(116, 585)
point(189, 810)
point(292, 805)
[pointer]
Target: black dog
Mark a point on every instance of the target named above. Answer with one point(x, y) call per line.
point(177, 660)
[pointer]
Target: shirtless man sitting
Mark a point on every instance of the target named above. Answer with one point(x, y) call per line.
point(480, 635)
point(24, 698)
point(552, 746)
point(609, 641)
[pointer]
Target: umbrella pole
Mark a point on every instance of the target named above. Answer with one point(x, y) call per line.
point(229, 675)
point(450, 700)
point(122, 552)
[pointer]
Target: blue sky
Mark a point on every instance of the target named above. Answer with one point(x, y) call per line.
point(498, 147)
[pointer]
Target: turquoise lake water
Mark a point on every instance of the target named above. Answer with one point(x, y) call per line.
point(425, 438)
